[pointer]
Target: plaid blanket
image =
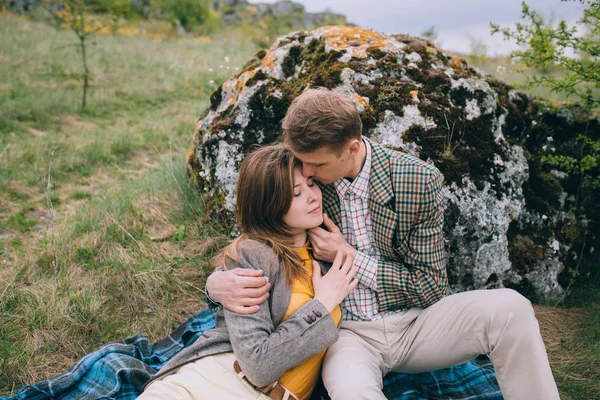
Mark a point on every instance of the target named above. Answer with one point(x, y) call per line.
point(118, 370)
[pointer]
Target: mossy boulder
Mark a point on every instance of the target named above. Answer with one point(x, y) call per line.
point(511, 220)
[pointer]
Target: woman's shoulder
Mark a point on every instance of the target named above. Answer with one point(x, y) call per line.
point(255, 254)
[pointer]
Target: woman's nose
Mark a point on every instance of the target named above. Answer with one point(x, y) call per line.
point(312, 196)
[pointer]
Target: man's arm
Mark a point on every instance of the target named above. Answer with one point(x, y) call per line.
point(418, 278)
point(240, 290)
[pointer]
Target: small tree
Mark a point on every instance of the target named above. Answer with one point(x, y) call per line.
point(576, 54)
point(430, 34)
point(73, 15)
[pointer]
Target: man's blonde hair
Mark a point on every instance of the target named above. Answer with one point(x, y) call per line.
point(321, 118)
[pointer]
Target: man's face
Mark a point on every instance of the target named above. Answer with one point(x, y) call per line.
point(324, 164)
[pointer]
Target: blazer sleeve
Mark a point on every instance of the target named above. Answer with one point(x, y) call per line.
point(265, 351)
point(418, 278)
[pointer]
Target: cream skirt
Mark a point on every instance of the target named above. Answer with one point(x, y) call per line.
point(209, 378)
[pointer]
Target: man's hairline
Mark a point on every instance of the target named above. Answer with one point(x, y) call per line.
point(329, 148)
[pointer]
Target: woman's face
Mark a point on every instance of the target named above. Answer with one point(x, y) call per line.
point(305, 211)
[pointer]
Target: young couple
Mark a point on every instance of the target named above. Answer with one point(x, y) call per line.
point(382, 255)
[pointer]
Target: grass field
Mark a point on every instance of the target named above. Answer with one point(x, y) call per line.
point(100, 232)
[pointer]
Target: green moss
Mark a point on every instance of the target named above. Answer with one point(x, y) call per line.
point(524, 253)
point(368, 118)
point(542, 190)
point(293, 58)
point(258, 76)
point(376, 52)
point(216, 97)
point(255, 60)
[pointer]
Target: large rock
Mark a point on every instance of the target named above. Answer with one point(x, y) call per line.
point(511, 220)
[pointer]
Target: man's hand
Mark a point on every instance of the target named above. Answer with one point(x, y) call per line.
point(326, 244)
point(240, 290)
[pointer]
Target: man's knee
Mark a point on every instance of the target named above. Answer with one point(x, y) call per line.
point(350, 371)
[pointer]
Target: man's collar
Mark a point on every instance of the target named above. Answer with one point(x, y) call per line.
point(360, 184)
point(380, 184)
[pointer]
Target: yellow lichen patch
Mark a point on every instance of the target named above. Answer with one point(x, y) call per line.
point(269, 62)
point(415, 95)
point(234, 88)
point(341, 38)
point(360, 100)
point(455, 62)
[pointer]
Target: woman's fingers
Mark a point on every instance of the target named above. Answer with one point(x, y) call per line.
point(337, 261)
point(348, 263)
point(353, 284)
point(352, 273)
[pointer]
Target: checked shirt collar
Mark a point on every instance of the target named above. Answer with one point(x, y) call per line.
point(360, 186)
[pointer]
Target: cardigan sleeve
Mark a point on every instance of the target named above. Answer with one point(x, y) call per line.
point(263, 350)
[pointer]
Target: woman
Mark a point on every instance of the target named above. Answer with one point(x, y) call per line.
point(281, 347)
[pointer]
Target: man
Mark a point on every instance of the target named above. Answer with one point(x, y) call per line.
point(390, 210)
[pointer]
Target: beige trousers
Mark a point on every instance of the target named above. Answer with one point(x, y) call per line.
point(211, 377)
point(500, 323)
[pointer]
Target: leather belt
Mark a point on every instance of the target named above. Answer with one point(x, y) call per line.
point(275, 390)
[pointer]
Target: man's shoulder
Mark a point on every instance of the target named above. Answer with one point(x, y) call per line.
point(403, 165)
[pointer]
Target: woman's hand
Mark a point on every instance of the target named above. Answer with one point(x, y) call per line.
point(332, 288)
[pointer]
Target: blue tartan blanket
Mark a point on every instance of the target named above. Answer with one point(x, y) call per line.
point(118, 370)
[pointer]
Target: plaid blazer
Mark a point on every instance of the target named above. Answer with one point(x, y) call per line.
point(406, 206)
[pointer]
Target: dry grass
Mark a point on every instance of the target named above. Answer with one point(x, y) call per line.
point(124, 249)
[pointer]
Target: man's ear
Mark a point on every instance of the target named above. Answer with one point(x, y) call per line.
point(354, 147)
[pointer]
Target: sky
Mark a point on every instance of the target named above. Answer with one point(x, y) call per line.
point(459, 23)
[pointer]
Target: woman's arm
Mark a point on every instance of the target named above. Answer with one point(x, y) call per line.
point(266, 352)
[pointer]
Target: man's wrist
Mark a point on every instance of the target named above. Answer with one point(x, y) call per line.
point(351, 251)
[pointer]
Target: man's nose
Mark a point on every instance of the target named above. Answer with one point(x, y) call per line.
point(308, 170)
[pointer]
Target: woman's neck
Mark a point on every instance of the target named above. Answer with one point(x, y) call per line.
point(299, 239)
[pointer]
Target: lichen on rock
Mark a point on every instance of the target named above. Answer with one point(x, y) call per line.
point(503, 204)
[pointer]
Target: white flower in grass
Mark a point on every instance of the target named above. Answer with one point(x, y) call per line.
point(211, 81)
point(210, 70)
point(226, 59)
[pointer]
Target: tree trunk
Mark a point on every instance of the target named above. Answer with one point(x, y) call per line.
point(85, 70)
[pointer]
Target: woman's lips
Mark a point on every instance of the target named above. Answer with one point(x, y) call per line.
point(318, 209)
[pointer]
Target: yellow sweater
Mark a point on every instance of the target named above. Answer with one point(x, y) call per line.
point(301, 379)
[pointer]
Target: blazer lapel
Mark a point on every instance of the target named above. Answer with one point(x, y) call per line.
point(381, 198)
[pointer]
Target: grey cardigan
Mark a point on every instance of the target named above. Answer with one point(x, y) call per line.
point(264, 347)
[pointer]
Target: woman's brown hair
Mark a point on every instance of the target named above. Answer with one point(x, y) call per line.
point(265, 190)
